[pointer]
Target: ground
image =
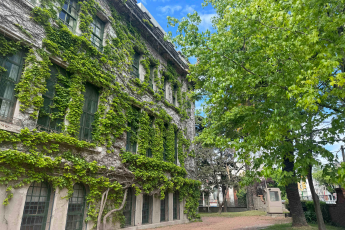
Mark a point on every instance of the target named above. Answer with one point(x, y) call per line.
point(250, 220)
point(235, 220)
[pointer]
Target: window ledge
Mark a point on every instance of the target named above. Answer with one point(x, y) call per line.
point(11, 127)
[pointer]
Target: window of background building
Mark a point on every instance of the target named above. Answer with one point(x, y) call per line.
point(36, 207)
point(68, 14)
point(97, 27)
point(13, 65)
point(76, 206)
point(135, 65)
point(45, 121)
point(91, 95)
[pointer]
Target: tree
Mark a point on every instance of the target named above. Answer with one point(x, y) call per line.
point(254, 68)
point(215, 167)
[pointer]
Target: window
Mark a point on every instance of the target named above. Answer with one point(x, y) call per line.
point(135, 65)
point(8, 79)
point(68, 14)
point(151, 77)
point(128, 210)
point(131, 144)
point(164, 88)
point(36, 207)
point(176, 206)
point(76, 205)
point(149, 150)
point(97, 27)
point(274, 196)
point(90, 107)
point(146, 212)
point(45, 121)
point(176, 148)
point(174, 95)
point(165, 208)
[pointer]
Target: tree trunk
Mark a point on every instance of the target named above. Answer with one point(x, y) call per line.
point(317, 207)
point(225, 203)
point(298, 217)
point(250, 201)
point(219, 204)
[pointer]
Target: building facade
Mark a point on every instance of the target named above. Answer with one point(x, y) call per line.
point(96, 119)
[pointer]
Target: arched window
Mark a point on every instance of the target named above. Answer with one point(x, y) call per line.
point(36, 207)
point(76, 204)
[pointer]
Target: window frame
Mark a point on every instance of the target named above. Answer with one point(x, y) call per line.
point(164, 208)
point(12, 102)
point(81, 213)
point(85, 113)
point(93, 33)
point(48, 126)
point(146, 200)
point(132, 199)
point(135, 65)
point(75, 18)
point(46, 205)
point(176, 206)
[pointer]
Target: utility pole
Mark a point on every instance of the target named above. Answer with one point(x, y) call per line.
point(342, 151)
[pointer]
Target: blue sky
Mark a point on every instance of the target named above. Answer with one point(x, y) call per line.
point(160, 9)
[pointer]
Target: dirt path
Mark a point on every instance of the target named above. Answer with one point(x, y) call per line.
point(226, 223)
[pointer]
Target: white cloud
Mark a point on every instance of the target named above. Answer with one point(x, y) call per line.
point(144, 2)
point(168, 9)
point(206, 21)
point(188, 9)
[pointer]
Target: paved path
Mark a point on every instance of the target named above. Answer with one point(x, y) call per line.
point(227, 223)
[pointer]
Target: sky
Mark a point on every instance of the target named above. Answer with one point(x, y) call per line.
point(160, 9)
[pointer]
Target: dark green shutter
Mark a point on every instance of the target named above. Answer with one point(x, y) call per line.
point(76, 206)
point(36, 207)
point(89, 109)
point(8, 79)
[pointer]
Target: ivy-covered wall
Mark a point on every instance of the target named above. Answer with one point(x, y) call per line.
point(61, 158)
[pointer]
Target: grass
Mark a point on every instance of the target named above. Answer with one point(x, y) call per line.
point(311, 227)
point(234, 214)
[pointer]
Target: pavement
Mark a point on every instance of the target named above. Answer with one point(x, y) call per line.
point(227, 223)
